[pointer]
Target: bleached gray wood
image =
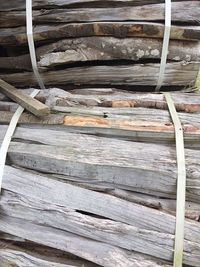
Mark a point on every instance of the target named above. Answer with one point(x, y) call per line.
point(192, 209)
point(141, 74)
point(115, 233)
point(24, 252)
point(100, 253)
point(106, 97)
point(98, 159)
point(9, 258)
point(45, 189)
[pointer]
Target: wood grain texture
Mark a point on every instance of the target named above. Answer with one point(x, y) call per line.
point(81, 199)
point(26, 101)
point(155, 12)
point(102, 230)
point(106, 161)
point(38, 4)
point(176, 74)
point(17, 36)
point(90, 49)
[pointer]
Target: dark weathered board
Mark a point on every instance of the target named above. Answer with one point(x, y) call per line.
point(90, 49)
point(17, 36)
point(190, 9)
point(61, 203)
point(38, 4)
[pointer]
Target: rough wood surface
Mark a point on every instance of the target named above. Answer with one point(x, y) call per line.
point(132, 75)
point(102, 230)
point(190, 9)
point(38, 4)
point(83, 200)
point(89, 49)
point(105, 161)
point(26, 101)
point(17, 36)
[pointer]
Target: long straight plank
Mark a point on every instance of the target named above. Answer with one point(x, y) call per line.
point(77, 198)
point(97, 252)
point(116, 162)
point(190, 9)
point(114, 233)
point(38, 4)
point(45, 33)
point(139, 74)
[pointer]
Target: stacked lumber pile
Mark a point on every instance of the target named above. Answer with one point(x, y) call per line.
point(94, 182)
point(100, 43)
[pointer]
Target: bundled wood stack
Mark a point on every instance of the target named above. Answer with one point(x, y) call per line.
point(98, 43)
point(95, 181)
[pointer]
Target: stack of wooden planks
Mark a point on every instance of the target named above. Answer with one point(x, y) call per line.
point(94, 182)
point(100, 43)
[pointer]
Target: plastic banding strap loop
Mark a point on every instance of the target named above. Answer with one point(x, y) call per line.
point(8, 136)
point(29, 32)
point(181, 184)
point(165, 46)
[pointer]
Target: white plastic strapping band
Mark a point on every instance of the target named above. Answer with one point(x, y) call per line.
point(29, 32)
point(8, 136)
point(181, 184)
point(165, 46)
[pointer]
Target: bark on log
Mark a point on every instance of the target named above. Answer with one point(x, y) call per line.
point(45, 33)
point(102, 48)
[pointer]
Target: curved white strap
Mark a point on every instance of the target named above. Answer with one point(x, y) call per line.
point(181, 184)
point(165, 44)
point(8, 136)
point(29, 32)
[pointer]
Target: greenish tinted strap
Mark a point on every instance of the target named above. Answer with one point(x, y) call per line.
point(8, 136)
point(165, 46)
point(181, 184)
point(29, 32)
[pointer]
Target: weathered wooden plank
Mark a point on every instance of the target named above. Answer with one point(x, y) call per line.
point(192, 210)
point(26, 101)
point(107, 160)
point(11, 257)
point(114, 233)
point(83, 200)
point(102, 48)
point(100, 253)
point(116, 101)
point(17, 36)
point(132, 126)
point(26, 118)
point(190, 9)
point(38, 4)
point(36, 252)
point(138, 74)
